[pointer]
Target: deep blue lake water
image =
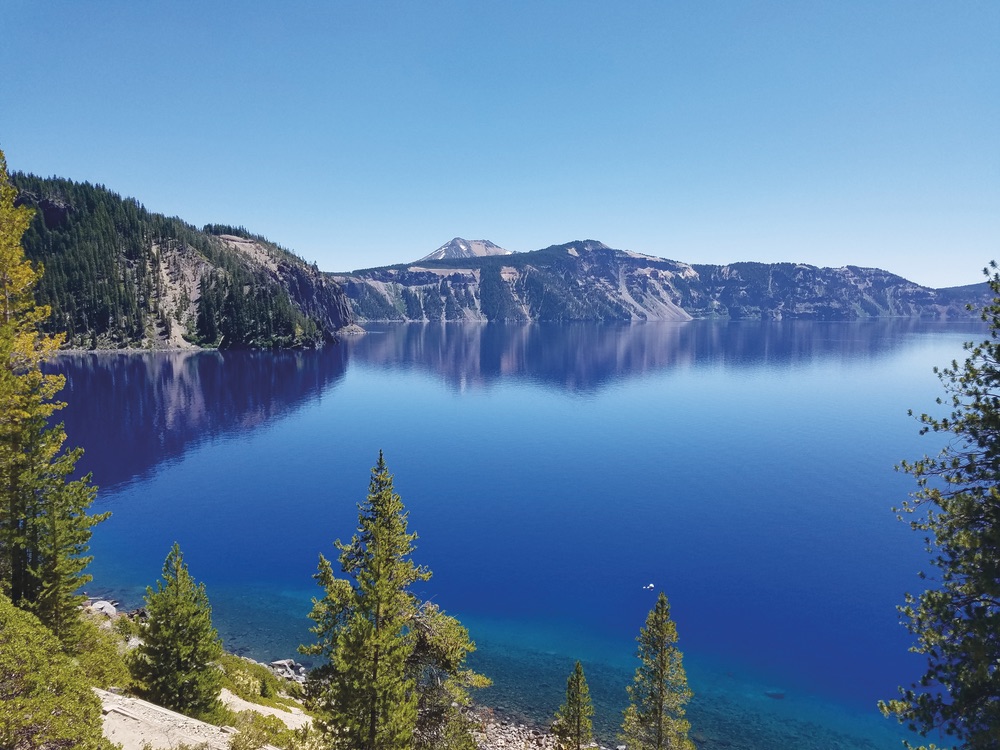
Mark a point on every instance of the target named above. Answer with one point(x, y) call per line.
point(746, 469)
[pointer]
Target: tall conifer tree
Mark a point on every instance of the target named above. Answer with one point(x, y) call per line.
point(45, 526)
point(176, 661)
point(395, 673)
point(573, 725)
point(366, 690)
point(956, 508)
point(659, 691)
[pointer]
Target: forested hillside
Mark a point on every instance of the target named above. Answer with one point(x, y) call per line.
point(587, 280)
point(117, 275)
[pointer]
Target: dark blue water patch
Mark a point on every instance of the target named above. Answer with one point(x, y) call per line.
point(744, 470)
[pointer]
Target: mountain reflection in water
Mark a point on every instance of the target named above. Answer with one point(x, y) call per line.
point(588, 356)
point(133, 411)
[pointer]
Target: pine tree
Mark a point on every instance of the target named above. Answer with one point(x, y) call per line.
point(45, 526)
point(956, 508)
point(440, 647)
point(659, 691)
point(176, 662)
point(62, 542)
point(573, 724)
point(366, 692)
point(208, 324)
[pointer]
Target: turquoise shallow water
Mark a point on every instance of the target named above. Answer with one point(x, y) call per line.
point(733, 706)
point(551, 473)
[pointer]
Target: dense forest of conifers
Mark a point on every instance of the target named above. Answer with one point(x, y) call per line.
point(118, 275)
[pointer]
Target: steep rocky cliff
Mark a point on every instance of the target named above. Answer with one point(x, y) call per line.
point(118, 275)
point(587, 280)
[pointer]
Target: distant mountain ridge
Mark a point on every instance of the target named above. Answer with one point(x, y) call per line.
point(117, 275)
point(460, 248)
point(587, 280)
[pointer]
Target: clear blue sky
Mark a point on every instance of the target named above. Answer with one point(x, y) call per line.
point(369, 133)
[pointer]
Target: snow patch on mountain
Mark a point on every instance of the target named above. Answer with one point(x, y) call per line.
point(461, 248)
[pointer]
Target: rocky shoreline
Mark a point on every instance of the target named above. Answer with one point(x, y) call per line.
point(137, 724)
point(493, 730)
point(495, 733)
point(154, 346)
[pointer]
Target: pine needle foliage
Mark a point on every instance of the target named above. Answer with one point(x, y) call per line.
point(176, 662)
point(45, 524)
point(440, 645)
point(45, 700)
point(573, 725)
point(956, 508)
point(365, 692)
point(654, 719)
point(394, 674)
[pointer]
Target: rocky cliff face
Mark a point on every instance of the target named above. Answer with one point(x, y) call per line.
point(798, 291)
point(118, 275)
point(579, 281)
point(587, 280)
point(314, 293)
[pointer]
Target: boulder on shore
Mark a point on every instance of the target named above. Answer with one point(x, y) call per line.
point(106, 608)
point(288, 669)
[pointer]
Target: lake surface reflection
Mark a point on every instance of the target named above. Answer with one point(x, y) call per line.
point(552, 472)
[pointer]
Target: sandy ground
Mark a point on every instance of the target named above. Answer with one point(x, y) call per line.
point(294, 718)
point(133, 723)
